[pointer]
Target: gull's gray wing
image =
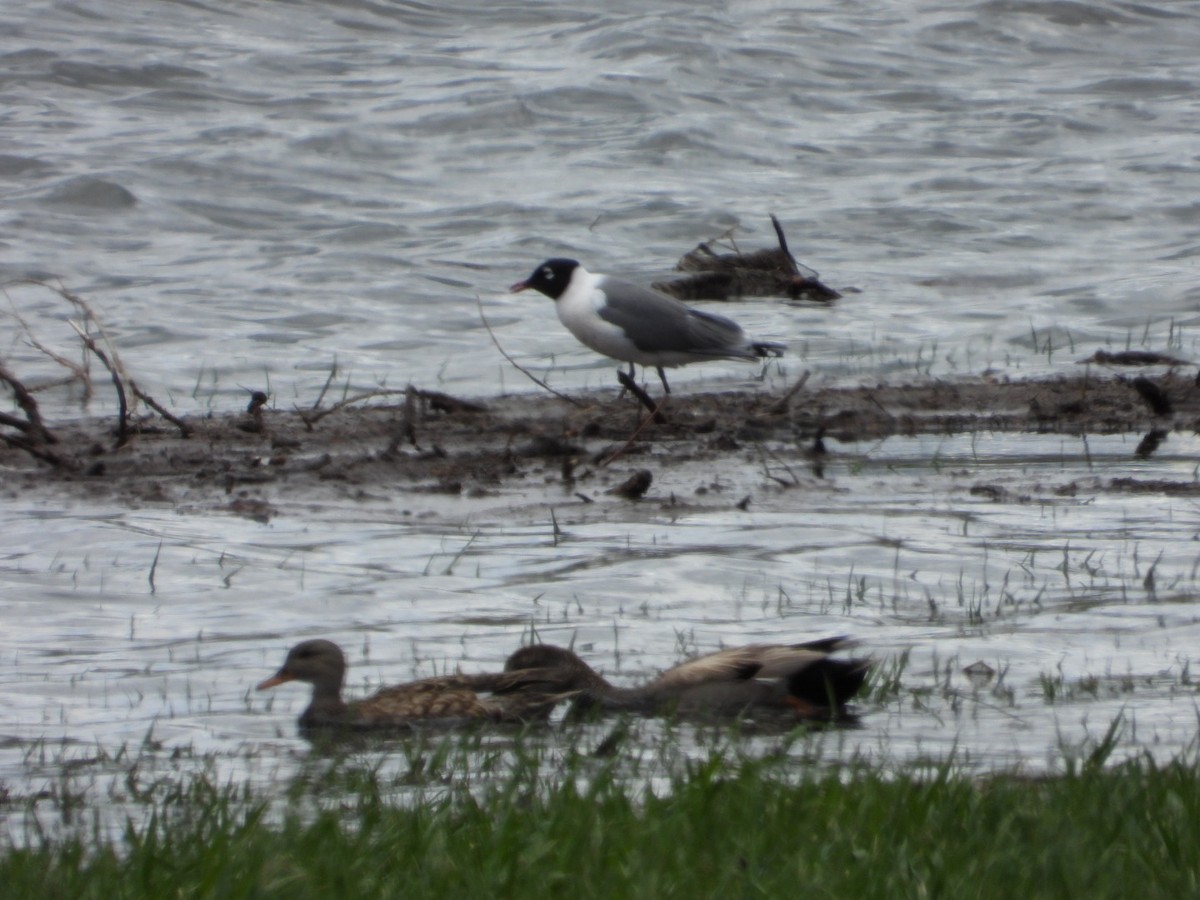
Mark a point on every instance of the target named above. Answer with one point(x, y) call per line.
point(656, 323)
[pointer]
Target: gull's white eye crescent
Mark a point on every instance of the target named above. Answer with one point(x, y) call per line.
point(548, 273)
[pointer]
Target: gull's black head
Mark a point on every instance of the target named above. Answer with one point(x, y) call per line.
point(550, 278)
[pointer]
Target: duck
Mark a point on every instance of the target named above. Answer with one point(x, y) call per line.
point(514, 696)
point(635, 324)
point(801, 681)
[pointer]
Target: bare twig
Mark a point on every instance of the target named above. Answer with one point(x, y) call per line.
point(870, 395)
point(766, 456)
point(781, 405)
point(110, 359)
point(325, 387)
point(78, 372)
point(107, 355)
point(620, 451)
point(514, 363)
point(122, 403)
point(88, 315)
point(312, 417)
point(185, 430)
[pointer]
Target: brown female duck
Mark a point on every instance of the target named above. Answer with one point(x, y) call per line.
point(801, 681)
point(511, 696)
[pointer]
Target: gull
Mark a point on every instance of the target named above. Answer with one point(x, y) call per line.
point(636, 324)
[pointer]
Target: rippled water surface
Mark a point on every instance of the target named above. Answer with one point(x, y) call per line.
point(250, 195)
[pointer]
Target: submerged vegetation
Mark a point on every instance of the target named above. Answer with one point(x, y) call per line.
point(721, 827)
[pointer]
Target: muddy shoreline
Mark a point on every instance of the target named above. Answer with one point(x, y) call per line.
point(537, 448)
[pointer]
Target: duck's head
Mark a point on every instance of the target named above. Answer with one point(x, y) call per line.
point(543, 656)
point(317, 662)
point(570, 672)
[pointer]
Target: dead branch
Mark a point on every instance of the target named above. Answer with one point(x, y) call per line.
point(766, 456)
point(88, 314)
point(110, 358)
point(514, 363)
point(34, 434)
point(78, 372)
point(33, 426)
point(185, 430)
point(122, 402)
point(37, 451)
point(14, 422)
point(781, 405)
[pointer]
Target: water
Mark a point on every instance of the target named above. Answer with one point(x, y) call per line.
point(251, 195)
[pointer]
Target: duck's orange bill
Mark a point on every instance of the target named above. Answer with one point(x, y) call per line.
point(274, 680)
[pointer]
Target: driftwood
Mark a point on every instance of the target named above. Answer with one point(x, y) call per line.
point(1135, 358)
point(764, 273)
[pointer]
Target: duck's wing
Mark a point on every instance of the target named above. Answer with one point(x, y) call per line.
point(526, 706)
point(501, 696)
point(540, 680)
point(737, 664)
point(430, 698)
point(785, 661)
point(803, 680)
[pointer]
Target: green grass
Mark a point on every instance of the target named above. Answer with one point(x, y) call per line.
point(722, 829)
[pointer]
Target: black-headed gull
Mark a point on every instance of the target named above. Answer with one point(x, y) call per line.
point(636, 324)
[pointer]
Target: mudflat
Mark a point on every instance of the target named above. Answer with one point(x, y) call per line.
point(534, 449)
